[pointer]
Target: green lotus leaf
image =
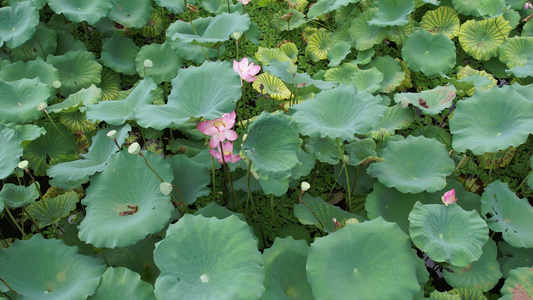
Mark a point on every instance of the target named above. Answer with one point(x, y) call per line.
point(482, 274)
point(268, 55)
point(191, 178)
point(361, 151)
point(154, 26)
point(78, 11)
point(19, 23)
point(432, 101)
point(436, 295)
point(514, 52)
point(513, 258)
point(315, 207)
point(119, 111)
point(338, 113)
point(37, 3)
point(194, 52)
point(527, 30)
point(217, 211)
point(529, 180)
point(481, 39)
point(392, 13)
point(519, 284)
point(508, 214)
point(78, 100)
point(57, 271)
point(43, 42)
point(280, 69)
point(14, 196)
point(443, 20)
point(165, 60)
point(11, 150)
point(391, 70)
point(20, 98)
point(374, 257)
point(66, 43)
point(492, 8)
point(176, 7)
point(318, 45)
point(325, 149)
point(337, 52)
point(126, 182)
point(122, 283)
point(367, 80)
point(213, 6)
point(37, 68)
point(94, 161)
point(208, 91)
point(467, 7)
point(56, 146)
point(272, 85)
point(110, 84)
point(209, 30)
point(471, 294)
point(76, 121)
point(325, 6)
point(77, 70)
point(394, 118)
point(297, 20)
point(523, 71)
point(448, 233)
point(212, 266)
point(413, 165)
point(284, 265)
point(432, 54)
point(479, 79)
point(118, 53)
point(343, 74)
point(497, 160)
point(132, 14)
point(492, 120)
point(49, 211)
point(365, 36)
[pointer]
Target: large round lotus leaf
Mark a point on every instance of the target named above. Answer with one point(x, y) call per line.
point(267, 56)
point(432, 54)
point(14, 196)
point(11, 150)
point(318, 44)
point(56, 271)
point(448, 233)
point(17, 23)
point(271, 85)
point(443, 20)
point(374, 258)
point(431, 102)
point(118, 53)
point(110, 84)
point(208, 91)
point(79, 10)
point(338, 113)
point(482, 274)
point(392, 13)
point(122, 283)
point(176, 7)
point(77, 70)
point(66, 42)
point(513, 258)
point(492, 120)
point(365, 36)
point(367, 80)
point(394, 118)
point(325, 149)
point(209, 30)
point(413, 165)
point(191, 178)
point(42, 43)
point(523, 71)
point(76, 102)
point(194, 52)
point(208, 258)
point(281, 70)
point(166, 62)
point(94, 161)
point(343, 74)
point(391, 70)
point(284, 265)
point(132, 14)
point(19, 100)
point(508, 214)
point(476, 79)
point(297, 20)
point(398, 34)
point(119, 111)
point(49, 211)
point(324, 6)
point(37, 68)
point(519, 285)
point(126, 182)
point(272, 145)
point(481, 39)
point(514, 52)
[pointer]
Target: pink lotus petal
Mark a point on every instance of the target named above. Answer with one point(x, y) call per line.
point(449, 197)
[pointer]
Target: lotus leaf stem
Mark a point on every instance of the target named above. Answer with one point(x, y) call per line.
point(16, 224)
point(248, 176)
point(161, 179)
point(226, 171)
point(259, 223)
point(272, 208)
point(311, 210)
point(7, 285)
point(40, 46)
point(346, 173)
point(524, 181)
point(194, 29)
point(32, 220)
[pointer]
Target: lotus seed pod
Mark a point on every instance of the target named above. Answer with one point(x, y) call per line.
point(165, 188)
point(346, 158)
point(56, 84)
point(352, 221)
point(112, 134)
point(148, 63)
point(42, 106)
point(134, 148)
point(236, 35)
point(305, 186)
point(23, 165)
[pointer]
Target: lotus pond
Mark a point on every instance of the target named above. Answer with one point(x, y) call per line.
point(215, 149)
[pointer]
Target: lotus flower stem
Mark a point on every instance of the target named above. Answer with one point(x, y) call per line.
point(259, 223)
point(213, 177)
point(229, 11)
point(272, 208)
point(24, 237)
point(524, 181)
point(161, 179)
point(248, 176)
point(32, 220)
point(194, 30)
point(226, 171)
point(346, 173)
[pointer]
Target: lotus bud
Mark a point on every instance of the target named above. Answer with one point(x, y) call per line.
point(287, 17)
point(236, 35)
point(165, 188)
point(244, 137)
point(449, 197)
point(305, 186)
point(56, 84)
point(346, 158)
point(23, 165)
point(192, 8)
point(148, 63)
point(404, 103)
point(112, 134)
point(134, 148)
point(42, 106)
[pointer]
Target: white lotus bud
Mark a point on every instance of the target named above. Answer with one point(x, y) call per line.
point(134, 148)
point(236, 35)
point(346, 158)
point(112, 134)
point(23, 165)
point(56, 84)
point(165, 188)
point(404, 103)
point(148, 63)
point(42, 106)
point(305, 186)
point(244, 137)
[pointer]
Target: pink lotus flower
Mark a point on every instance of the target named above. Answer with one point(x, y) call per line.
point(244, 1)
point(227, 151)
point(246, 71)
point(449, 197)
point(526, 6)
point(219, 129)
